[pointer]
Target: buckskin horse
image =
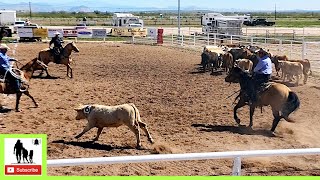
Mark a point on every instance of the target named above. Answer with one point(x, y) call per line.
point(281, 99)
point(25, 73)
point(46, 56)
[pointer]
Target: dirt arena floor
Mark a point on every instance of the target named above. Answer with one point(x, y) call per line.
point(187, 112)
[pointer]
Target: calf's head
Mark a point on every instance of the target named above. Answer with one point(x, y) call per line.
point(83, 111)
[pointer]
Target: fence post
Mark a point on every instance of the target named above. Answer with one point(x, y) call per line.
point(280, 44)
point(132, 39)
point(172, 39)
point(182, 40)
point(231, 39)
point(304, 49)
point(215, 39)
point(194, 39)
point(236, 171)
point(251, 43)
point(208, 38)
point(291, 44)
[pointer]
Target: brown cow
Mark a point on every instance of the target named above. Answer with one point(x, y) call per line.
point(227, 62)
point(275, 60)
point(245, 64)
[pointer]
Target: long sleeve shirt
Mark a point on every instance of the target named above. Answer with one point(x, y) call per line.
point(4, 61)
point(56, 41)
point(264, 66)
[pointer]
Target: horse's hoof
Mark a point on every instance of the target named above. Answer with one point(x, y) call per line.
point(237, 121)
point(151, 141)
point(139, 147)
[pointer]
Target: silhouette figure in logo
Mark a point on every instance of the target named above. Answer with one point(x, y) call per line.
point(25, 155)
point(31, 156)
point(18, 150)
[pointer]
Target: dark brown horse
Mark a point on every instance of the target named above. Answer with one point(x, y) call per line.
point(46, 56)
point(25, 73)
point(281, 99)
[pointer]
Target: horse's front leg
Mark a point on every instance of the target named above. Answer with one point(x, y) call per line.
point(69, 68)
point(252, 108)
point(48, 75)
point(240, 104)
point(18, 96)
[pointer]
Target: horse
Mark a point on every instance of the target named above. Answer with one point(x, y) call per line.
point(25, 73)
point(281, 99)
point(46, 56)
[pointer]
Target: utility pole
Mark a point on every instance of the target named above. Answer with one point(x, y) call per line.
point(275, 11)
point(179, 25)
point(30, 9)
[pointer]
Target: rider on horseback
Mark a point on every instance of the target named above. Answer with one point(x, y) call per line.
point(6, 69)
point(57, 49)
point(261, 76)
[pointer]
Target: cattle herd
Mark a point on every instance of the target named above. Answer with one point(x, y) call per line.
point(217, 57)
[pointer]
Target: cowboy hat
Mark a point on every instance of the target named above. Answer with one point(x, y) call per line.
point(4, 46)
point(56, 33)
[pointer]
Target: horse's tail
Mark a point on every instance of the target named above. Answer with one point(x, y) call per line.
point(292, 104)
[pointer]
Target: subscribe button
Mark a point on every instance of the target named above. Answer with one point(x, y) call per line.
point(23, 170)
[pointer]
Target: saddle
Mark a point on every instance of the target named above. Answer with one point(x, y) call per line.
point(56, 52)
point(17, 73)
point(260, 90)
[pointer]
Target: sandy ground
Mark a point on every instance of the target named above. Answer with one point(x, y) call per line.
point(186, 112)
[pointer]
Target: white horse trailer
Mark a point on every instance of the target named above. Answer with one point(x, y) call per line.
point(126, 20)
point(208, 18)
point(223, 25)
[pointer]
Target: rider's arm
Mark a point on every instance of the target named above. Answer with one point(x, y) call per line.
point(259, 66)
point(5, 60)
point(52, 41)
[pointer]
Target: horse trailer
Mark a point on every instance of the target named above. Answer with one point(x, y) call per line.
point(209, 17)
point(126, 20)
point(223, 25)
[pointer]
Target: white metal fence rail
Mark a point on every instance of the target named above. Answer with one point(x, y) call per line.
point(236, 155)
point(294, 49)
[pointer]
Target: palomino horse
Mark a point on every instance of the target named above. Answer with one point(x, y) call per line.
point(281, 99)
point(46, 57)
point(25, 73)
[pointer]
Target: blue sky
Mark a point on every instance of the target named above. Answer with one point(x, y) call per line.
point(207, 4)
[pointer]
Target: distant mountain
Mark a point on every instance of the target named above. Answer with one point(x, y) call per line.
point(80, 9)
point(102, 5)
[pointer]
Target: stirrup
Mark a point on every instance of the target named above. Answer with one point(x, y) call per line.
point(23, 90)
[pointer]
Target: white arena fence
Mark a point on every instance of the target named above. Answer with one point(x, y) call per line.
point(236, 155)
point(294, 49)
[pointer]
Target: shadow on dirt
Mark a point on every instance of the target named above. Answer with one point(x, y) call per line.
point(243, 130)
point(92, 145)
point(45, 77)
point(5, 110)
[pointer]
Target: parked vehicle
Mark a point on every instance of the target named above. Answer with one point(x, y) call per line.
point(17, 24)
point(7, 17)
point(259, 22)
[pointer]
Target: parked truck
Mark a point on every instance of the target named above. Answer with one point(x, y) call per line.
point(259, 22)
point(7, 18)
